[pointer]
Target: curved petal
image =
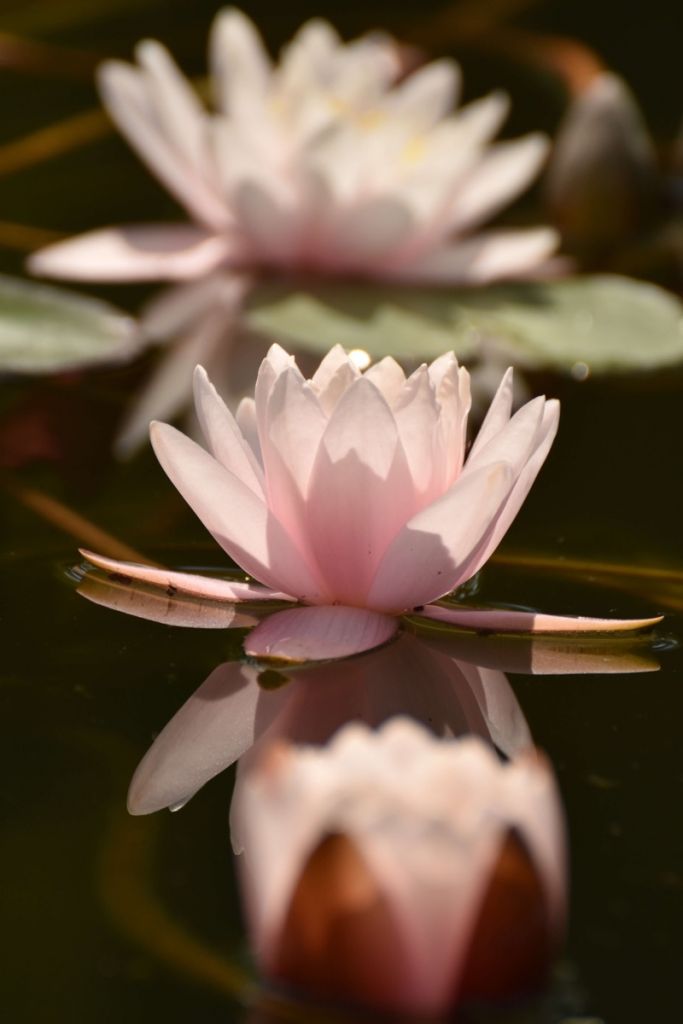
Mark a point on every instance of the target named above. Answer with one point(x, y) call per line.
point(222, 434)
point(485, 257)
point(241, 523)
point(360, 493)
point(124, 93)
point(133, 252)
point(184, 582)
point(162, 605)
point(319, 633)
point(503, 172)
point(210, 731)
point(498, 413)
point(240, 66)
point(427, 556)
point(503, 620)
point(427, 95)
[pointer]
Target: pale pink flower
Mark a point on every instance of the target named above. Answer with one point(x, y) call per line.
point(403, 872)
point(325, 161)
point(350, 495)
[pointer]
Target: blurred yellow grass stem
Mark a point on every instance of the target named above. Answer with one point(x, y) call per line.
point(54, 140)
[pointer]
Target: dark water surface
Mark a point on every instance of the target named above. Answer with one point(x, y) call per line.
point(112, 918)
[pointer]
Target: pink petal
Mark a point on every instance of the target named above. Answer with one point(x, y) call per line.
point(515, 442)
point(522, 484)
point(498, 413)
point(185, 582)
point(240, 66)
point(360, 494)
point(210, 731)
point(427, 556)
point(137, 252)
point(238, 519)
point(500, 620)
point(319, 633)
point(223, 436)
point(427, 95)
point(189, 612)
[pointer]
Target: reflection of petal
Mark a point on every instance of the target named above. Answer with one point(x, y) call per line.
point(503, 620)
point(318, 633)
point(159, 606)
point(136, 252)
point(541, 655)
point(211, 730)
point(185, 582)
point(231, 713)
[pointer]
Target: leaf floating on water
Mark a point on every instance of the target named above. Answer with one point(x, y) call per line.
point(47, 330)
point(594, 324)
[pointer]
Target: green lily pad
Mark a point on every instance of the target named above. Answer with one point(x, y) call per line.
point(599, 324)
point(46, 330)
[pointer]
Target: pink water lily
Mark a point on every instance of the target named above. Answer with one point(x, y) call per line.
point(326, 161)
point(351, 496)
point(403, 872)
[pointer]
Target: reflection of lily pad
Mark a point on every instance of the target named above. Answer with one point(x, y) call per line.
point(44, 329)
point(609, 323)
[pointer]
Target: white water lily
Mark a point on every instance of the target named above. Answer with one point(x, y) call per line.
point(326, 161)
point(400, 871)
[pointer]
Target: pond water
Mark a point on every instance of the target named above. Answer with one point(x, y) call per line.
point(110, 917)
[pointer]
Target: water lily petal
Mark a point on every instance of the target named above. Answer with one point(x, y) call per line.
point(484, 258)
point(185, 582)
point(498, 413)
point(238, 519)
point(319, 633)
point(360, 488)
point(133, 252)
point(223, 435)
point(515, 441)
point(210, 731)
point(181, 116)
point(240, 64)
point(429, 553)
point(427, 95)
point(124, 93)
point(504, 171)
point(503, 620)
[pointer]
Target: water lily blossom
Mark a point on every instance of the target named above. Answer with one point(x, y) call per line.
point(350, 495)
point(403, 872)
point(327, 161)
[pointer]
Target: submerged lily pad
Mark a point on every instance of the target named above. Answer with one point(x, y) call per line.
point(45, 329)
point(608, 323)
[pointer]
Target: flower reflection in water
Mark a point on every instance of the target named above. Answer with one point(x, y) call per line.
point(397, 871)
point(401, 871)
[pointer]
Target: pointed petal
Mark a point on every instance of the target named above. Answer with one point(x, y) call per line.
point(427, 95)
point(388, 377)
point(498, 414)
point(429, 554)
point(181, 116)
point(209, 732)
point(515, 442)
point(124, 93)
point(134, 252)
point(504, 171)
point(319, 633)
point(240, 66)
point(240, 522)
point(501, 620)
point(360, 493)
point(522, 485)
point(184, 582)
point(483, 258)
point(223, 436)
